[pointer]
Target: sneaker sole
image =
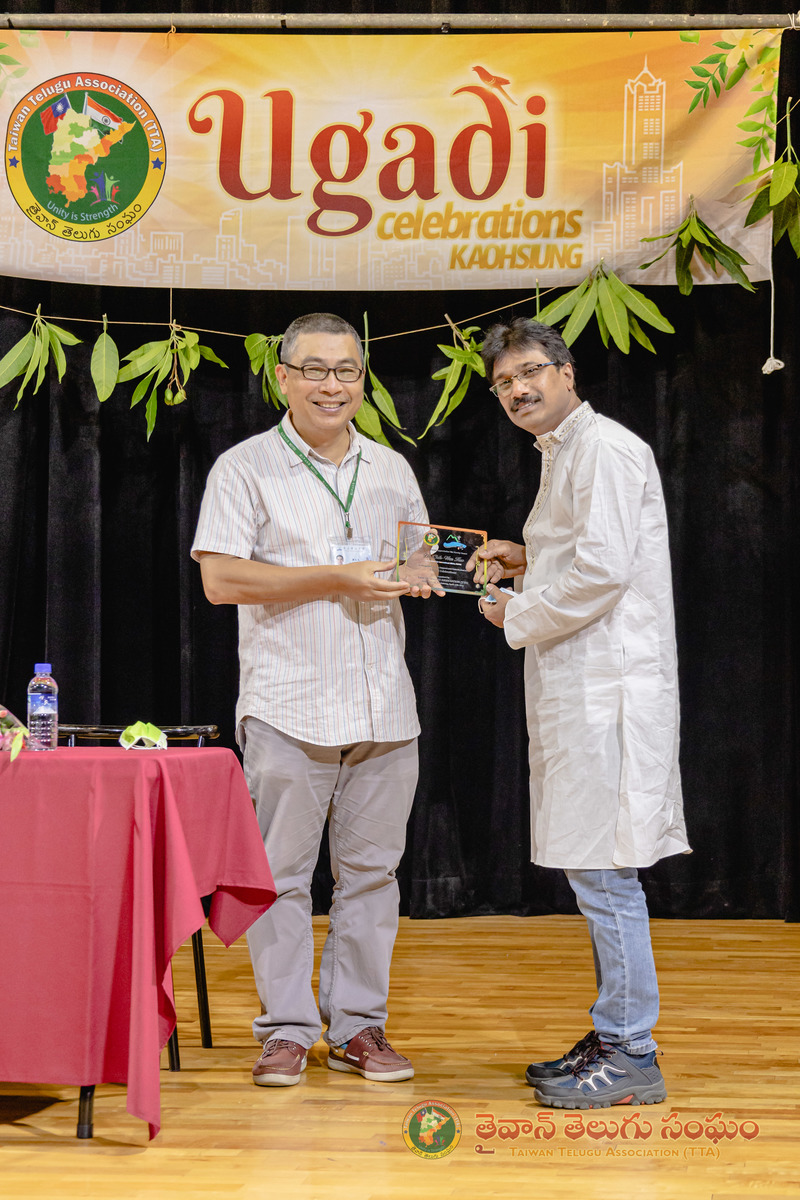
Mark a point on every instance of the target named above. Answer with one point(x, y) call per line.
point(336, 1064)
point(653, 1095)
point(278, 1080)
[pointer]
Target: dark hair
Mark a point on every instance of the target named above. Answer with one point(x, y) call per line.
point(523, 334)
point(317, 323)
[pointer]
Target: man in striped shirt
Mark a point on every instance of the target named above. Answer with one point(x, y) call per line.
point(294, 525)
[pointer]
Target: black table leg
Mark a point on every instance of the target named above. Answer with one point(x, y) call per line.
point(85, 1108)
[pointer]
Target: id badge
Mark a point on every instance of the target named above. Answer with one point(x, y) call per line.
point(349, 550)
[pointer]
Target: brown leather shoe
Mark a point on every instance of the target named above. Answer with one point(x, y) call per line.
point(280, 1064)
point(369, 1054)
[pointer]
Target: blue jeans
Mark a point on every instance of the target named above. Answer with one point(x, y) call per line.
point(626, 1008)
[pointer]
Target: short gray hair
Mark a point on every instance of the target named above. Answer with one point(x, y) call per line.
point(317, 323)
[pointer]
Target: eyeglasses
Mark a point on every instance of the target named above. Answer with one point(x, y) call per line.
point(318, 373)
point(503, 386)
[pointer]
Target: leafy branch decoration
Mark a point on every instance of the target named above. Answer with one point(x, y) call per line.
point(31, 354)
point(778, 195)
point(168, 362)
point(617, 308)
point(465, 360)
point(692, 237)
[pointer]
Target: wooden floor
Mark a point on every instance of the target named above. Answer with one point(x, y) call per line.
point(473, 1002)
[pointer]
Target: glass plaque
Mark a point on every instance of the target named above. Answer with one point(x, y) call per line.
point(437, 555)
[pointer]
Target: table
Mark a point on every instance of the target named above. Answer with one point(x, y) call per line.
point(104, 857)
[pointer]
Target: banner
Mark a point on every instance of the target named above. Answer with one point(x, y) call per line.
point(376, 162)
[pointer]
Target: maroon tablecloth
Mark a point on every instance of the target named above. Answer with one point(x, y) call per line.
point(104, 856)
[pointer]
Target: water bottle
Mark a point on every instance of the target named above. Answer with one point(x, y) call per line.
point(42, 709)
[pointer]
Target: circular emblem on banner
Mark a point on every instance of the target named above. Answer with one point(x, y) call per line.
point(432, 1129)
point(85, 156)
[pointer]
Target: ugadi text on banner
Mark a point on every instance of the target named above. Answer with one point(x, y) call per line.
point(375, 162)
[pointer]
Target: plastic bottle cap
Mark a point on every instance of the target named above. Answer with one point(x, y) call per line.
point(42, 668)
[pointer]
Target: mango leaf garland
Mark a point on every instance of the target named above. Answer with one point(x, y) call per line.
point(30, 356)
point(465, 359)
point(692, 237)
point(382, 407)
point(778, 195)
point(616, 307)
point(262, 350)
point(171, 361)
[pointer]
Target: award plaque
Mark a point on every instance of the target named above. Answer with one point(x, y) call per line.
point(437, 555)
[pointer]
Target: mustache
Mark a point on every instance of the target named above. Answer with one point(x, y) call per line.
point(519, 400)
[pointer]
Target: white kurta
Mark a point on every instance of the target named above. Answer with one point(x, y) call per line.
point(596, 618)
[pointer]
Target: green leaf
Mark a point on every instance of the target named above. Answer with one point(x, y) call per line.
point(639, 304)
point(270, 363)
point(383, 401)
point(185, 364)
point(580, 314)
point(695, 102)
point(697, 84)
point(690, 35)
point(615, 315)
point(759, 208)
point(59, 358)
point(556, 310)
point(141, 363)
point(750, 126)
point(104, 365)
point(190, 337)
point(368, 421)
point(145, 350)
point(639, 334)
point(713, 58)
point(683, 274)
point(33, 363)
point(751, 141)
point(703, 72)
point(15, 362)
point(784, 178)
point(794, 233)
point(601, 325)
point(209, 354)
point(715, 84)
point(451, 379)
point(456, 398)
point(141, 388)
point(151, 412)
point(7, 61)
point(63, 335)
point(44, 358)
point(256, 345)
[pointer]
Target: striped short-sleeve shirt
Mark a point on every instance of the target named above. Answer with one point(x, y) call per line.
point(329, 671)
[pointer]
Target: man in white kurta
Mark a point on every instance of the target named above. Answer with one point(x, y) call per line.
point(595, 616)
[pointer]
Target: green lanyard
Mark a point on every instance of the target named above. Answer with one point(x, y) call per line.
point(344, 505)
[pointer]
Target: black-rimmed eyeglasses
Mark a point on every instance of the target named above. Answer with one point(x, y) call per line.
point(317, 372)
point(503, 386)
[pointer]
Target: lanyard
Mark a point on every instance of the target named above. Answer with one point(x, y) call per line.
point(344, 505)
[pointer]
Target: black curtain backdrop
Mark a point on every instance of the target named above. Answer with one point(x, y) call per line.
point(96, 525)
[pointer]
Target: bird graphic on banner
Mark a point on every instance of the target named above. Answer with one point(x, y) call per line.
point(493, 81)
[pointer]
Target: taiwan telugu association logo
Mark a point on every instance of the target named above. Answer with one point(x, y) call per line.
point(85, 156)
point(432, 1129)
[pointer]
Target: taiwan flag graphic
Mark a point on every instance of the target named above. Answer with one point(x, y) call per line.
point(53, 114)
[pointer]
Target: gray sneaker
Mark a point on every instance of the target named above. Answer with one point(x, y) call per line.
point(605, 1077)
point(557, 1068)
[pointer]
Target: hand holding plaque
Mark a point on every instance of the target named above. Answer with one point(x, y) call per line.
point(436, 556)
